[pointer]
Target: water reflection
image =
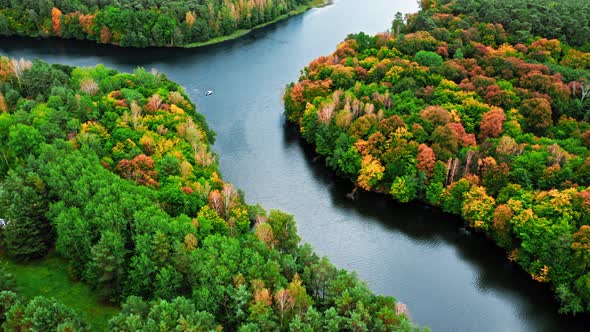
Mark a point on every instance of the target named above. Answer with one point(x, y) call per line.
point(429, 227)
point(451, 281)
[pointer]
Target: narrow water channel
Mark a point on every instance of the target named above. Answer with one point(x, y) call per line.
point(450, 280)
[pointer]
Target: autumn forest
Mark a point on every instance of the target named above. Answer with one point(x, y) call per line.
point(484, 121)
point(115, 214)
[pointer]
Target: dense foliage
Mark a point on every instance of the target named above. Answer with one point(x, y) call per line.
point(115, 172)
point(566, 20)
point(139, 23)
point(38, 314)
point(445, 110)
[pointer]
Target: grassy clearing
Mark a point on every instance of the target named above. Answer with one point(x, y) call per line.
point(49, 277)
point(243, 32)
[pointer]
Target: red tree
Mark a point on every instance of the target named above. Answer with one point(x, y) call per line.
point(464, 138)
point(140, 169)
point(491, 123)
point(426, 159)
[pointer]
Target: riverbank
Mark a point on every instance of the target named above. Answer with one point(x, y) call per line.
point(165, 190)
point(167, 27)
point(244, 32)
point(380, 239)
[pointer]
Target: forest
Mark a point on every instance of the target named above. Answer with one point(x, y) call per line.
point(463, 107)
point(141, 23)
point(114, 173)
point(567, 20)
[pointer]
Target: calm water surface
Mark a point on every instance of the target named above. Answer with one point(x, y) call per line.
point(450, 280)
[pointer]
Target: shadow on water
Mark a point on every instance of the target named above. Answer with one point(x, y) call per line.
point(451, 280)
point(428, 224)
point(133, 57)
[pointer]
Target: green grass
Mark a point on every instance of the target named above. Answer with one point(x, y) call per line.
point(239, 33)
point(49, 277)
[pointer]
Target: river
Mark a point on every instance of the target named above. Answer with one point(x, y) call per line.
point(450, 280)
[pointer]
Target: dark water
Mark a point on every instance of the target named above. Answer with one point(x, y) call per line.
point(450, 280)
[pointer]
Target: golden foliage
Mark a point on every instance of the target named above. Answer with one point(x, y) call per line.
point(513, 255)
point(186, 169)
point(343, 119)
point(105, 35)
point(265, 234)
point(3, 106)
point(239, 280)
point(176, 110)
point(263, 296)
point(190, 242)
point(56, 15)
point(543, 275)
point(176, 98)
point(478, 208)
point(371, 172)
point(87, 23)
point(301, 300)
point(190, 18)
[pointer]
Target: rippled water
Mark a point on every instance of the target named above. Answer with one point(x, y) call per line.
point(450, 280)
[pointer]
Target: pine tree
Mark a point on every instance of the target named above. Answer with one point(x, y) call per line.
point(27, 233)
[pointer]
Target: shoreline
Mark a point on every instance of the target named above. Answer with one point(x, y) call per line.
point(214, 41)
point(244, 32)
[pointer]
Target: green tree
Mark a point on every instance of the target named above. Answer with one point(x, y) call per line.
point(285, 231)
point(106, 267)
point(43, 314)
point(23, 205)
point(428, 59)
point(398, 24)
point(41, 77)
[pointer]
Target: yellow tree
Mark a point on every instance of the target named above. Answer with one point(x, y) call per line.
point(301, 300)
point(478, 208)
point(265, 234)
point(501, 224)
point(3, 106)
point(371, 172)
point(190, 18)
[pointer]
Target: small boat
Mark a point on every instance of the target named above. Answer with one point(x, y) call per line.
point(208, 93)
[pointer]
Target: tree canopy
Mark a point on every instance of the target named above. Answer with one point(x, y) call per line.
point(114, 172)
point(486, 120)
point(139, 23)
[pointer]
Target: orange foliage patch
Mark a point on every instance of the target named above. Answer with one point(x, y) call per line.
point(140, 169)
point(56, 15)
